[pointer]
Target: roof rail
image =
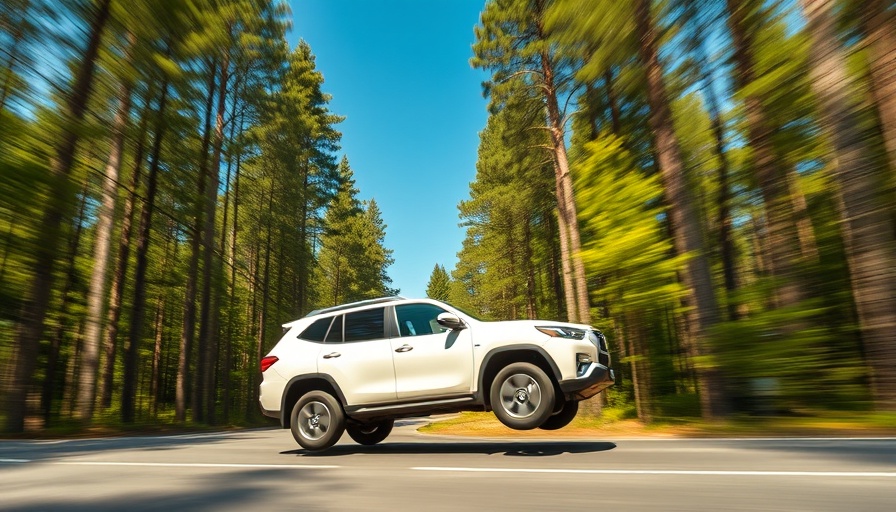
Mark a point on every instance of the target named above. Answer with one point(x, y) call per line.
point(354, 305)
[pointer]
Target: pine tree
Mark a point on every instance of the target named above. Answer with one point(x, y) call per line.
point(336, 270)
point(513, 43)
point(439, 285)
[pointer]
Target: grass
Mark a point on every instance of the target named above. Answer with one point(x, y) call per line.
point(108, 424)
point(817, 425)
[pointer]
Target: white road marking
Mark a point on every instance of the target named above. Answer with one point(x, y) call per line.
point(191, 435)
point(865, 474)
point(193, 465)
point(14, 461)
point(724, 439)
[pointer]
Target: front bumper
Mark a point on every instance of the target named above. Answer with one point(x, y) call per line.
point(594, 379)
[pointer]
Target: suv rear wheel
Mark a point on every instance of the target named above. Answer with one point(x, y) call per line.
point(522, 396)
point(370, 433)
point(317, 421)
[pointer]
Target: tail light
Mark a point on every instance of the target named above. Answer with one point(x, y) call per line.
point(267, 361)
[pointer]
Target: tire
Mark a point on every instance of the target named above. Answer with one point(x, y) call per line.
point(563, 417)
point(522, 396)
point(317, 421)
point(370, 434)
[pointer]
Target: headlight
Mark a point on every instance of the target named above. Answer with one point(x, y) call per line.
point(570, 333)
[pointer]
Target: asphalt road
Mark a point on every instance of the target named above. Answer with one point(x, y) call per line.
point(265, 470)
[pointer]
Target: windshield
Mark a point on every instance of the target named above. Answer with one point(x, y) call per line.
point(462, 310)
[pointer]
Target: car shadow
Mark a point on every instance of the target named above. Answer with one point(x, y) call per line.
point(509, 449)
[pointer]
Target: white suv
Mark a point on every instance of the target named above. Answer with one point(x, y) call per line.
point(359, 366)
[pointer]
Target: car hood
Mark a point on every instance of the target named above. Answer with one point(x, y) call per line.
point(519, 330)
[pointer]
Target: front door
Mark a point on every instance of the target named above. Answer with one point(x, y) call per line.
point(430, 361)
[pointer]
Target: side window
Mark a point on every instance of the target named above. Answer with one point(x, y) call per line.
point(316, 331)
point(335, 334)
point(365, 325)
point(418, 319)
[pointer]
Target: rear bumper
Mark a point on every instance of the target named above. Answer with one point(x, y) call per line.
point(593, 380)
point(270, 414)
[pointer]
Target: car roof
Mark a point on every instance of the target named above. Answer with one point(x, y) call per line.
point(343, 307)
point(351, 305)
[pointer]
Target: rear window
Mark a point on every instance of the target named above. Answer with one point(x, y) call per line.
point(365, 325)
point(317, 330)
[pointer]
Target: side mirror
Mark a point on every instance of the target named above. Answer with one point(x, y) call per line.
point(450, 321)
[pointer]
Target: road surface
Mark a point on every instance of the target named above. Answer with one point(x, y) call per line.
point(265, 470)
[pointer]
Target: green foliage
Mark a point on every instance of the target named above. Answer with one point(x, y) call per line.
point(628, 247)
point(772, 368)
point(505, 254)
point(353, 259)
point(274, 144)
point(439, 285)
point(808, 355)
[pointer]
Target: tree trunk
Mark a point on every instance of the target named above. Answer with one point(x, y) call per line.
point(208, 335)
point(37, 300)
point(640, 370)
point(531, 309)
point(805, 232)
point(70, 384)
point(157, 354)
point(228, 355)
point(868, 226)
point(105, 217)
point(782, 242)
point(303, 236)
point(566, 198)
point(615, 114)
point(116, 289)
point(189, 318)
point(132, 348)
point(63, 325)
point(262, 316)
point(566, 202)
point(556, 284)
point(207, 338)
point(685, 224)
point(879, 25)
point(726, 242)
point(227, 334)
point(569, 293)
point(7, 242)
point(9, 69)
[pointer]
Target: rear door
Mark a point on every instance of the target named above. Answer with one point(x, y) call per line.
point(357, 355)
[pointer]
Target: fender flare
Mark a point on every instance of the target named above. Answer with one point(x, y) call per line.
point(286, 411)
point(481, 393)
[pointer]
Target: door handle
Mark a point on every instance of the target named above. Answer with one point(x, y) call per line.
point(404, 348)
point(331, 355)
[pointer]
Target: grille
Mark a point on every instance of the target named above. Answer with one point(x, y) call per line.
point(603, 353)
point(599, 341)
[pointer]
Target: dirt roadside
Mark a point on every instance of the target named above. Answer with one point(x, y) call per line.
point(486, 425)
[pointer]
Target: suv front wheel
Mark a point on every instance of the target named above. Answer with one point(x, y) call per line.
point(317, 421)
point(522, 396)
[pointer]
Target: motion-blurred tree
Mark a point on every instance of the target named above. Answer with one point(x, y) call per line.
point(868, 228)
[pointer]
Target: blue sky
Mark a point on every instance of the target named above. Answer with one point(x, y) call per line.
point(399, 71)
